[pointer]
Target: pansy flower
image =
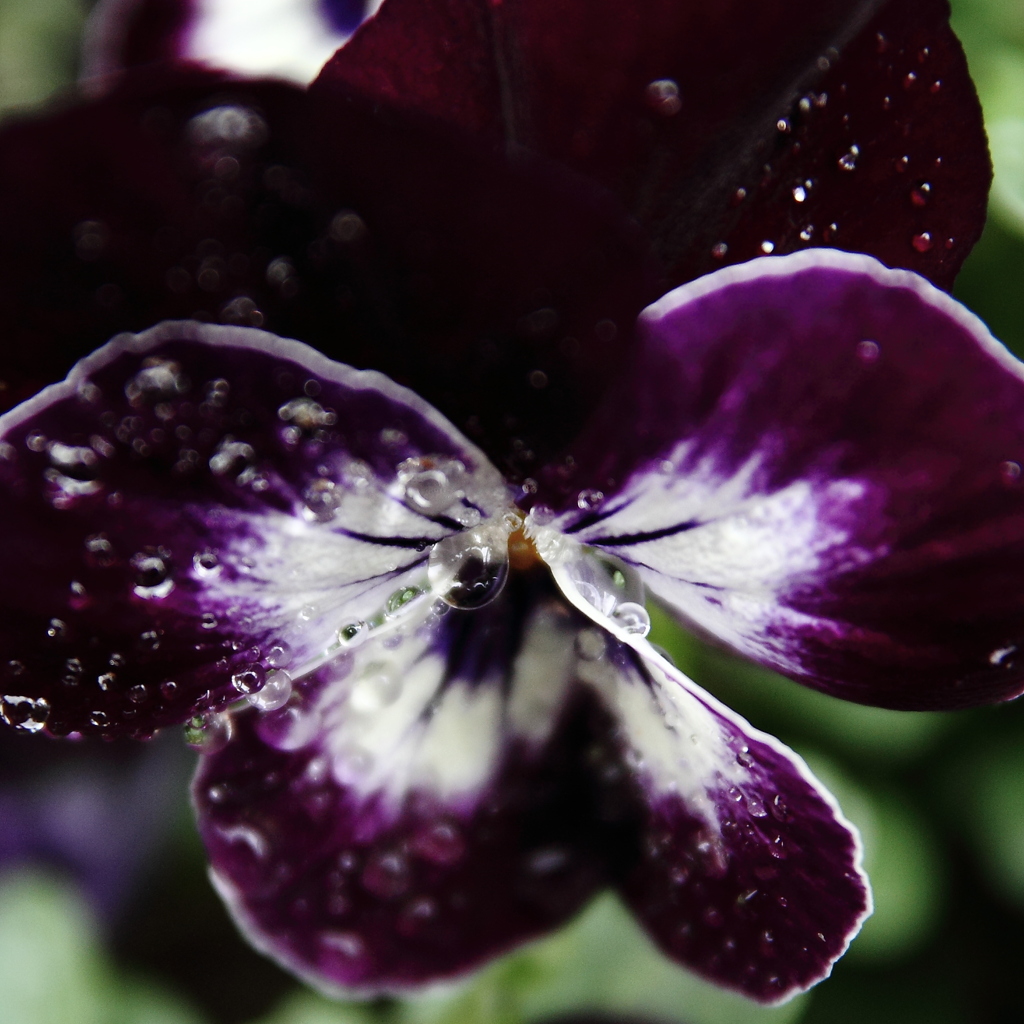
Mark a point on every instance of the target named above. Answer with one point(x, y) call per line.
point(390, 560)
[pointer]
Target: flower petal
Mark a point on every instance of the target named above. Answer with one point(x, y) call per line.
point(288, 39)
point(502, 291)
point(744, 868)
point(421, 807)
point(723, 131)
point(201, 502)
point(818, 462)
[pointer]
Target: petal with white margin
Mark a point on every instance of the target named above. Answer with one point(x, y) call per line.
point(818, 461)
point(421, 805)
point(743, 868)
point(197, 503)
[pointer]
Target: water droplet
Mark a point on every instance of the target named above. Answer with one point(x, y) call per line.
point(149, 640)
point(322, 499)
point(348, 944)
point(279, 655)
point(799, 194)
point(400, 598)
point(152, 575)
point(1002, 655)
point(538, 379)
point(274, 693)
point(591, 644)
point(386, 875)
point(922, 242)
point(138, 693)
point(920, 195)
point(909, 79)
point(205, 563)
point(767, 247)
point(229, 125)
point(233, 457)
point(807, 233)
point(429, 492)
point(589, 499)
point(783, 125)
point(208, 733)
point(632, 618)
point(663, 96)
point(868, 351)
point(351, 632)
point(466, 516)
point(157, 381)
point(1010, 471)
point(755, 806)
point(168, 690)
point(547, 860)
point(440, 843)
point(57, 629)
point(347, 227)
point(249, 679)
point(469, 569)
point(719, 250)
point(848, 161)
point(28, 714)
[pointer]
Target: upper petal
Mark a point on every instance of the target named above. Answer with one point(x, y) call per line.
point(722, 129)
point(199, 502)
point(819, 462)
point(419, 807)
point(288, 39)
point(501, 289)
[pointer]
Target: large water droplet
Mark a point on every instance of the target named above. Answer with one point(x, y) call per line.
point(399, 599)
point(632, 617)
point(663, 97)
point(249, 679)
point(274, 693)
point(469, 569)
point(922, 242)
point(29, 714)
point(208, 733)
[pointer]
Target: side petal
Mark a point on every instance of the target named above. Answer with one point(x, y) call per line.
point(197, 505)
point(419, 808)
point(755, 124)
point(818, 461)
point(743, 867)
point(289, 39)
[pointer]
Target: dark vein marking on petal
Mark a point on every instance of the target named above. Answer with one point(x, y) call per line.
point(626, 539)
point(416, 543)
point(592, 518)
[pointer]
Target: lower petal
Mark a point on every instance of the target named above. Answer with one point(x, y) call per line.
point(743, 868)
point(418, 810)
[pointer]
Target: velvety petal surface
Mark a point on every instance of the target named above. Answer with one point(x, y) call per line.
point(728, 131)
point(198, 507)
point(743, 868)
point(288, 39)
point(502, 290)
point(818, 461)
point(420, 806)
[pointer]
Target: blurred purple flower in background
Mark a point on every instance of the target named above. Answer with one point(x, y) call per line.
point(426, 589)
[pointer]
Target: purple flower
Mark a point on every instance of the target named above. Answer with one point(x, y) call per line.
point(404, 614)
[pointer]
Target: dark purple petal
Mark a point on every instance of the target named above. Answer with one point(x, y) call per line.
point(818, 461)
point(502, 291)
point(743, 868)
point(711, 122)
point(142, 206)
point(421, 806)
point(199, 506)
point(289, 39)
